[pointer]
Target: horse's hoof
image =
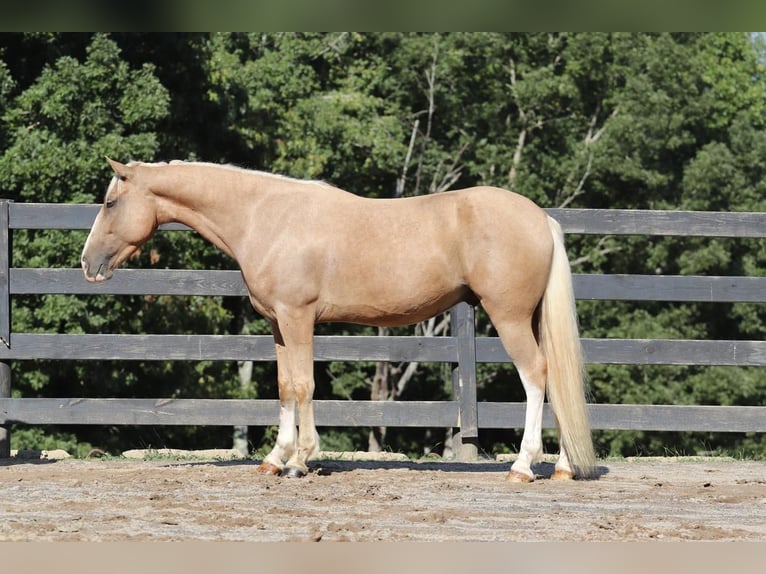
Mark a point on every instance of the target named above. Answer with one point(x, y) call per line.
point(562, 475)
point(268, 468)
point(292, 472)
point(518, 477)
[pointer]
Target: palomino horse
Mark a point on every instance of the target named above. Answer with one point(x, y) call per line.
point(311, 252)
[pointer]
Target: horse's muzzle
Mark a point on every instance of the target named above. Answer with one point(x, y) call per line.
point(95, 274)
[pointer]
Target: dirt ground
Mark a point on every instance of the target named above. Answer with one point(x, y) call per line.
point(176, 500)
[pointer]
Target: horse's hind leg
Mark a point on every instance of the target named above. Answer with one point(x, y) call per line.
point(563, 470)
point(520, 344)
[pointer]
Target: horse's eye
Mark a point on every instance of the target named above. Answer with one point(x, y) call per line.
point(110, 203)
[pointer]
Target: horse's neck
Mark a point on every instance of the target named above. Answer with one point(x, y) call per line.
point(203, 198)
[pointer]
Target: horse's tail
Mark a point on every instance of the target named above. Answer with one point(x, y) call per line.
point(560, 341)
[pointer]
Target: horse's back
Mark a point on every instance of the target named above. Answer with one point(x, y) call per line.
point(506, 246)
point(495, 216)
point(495, 206)
point(417, 256)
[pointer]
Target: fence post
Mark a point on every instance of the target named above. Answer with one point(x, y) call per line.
point(5, 318)
point(5, 392)
point(462, 326)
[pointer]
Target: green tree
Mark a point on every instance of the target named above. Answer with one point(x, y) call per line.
point(664, 121)
point(58, 130)
point(686, 135)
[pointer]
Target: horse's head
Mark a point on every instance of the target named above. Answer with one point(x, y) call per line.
point(126, 221)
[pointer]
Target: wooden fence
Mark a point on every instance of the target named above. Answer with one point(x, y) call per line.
point(462, 347)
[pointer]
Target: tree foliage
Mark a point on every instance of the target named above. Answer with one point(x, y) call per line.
point(662, 121)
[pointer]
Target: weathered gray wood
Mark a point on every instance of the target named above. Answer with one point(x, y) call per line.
point(387, 413)
point(222, 412)
point(389, 348)
point(649, 222)
point(27, 281)
point(60, 216)
point(649, 352)
point(639, 417)
point(230, 412)
point(670, 288)
point(5, 281)
point(360, 348)
point(700, 418)
point(5, 393)
point(462, 326)
point(576, 221)
point(52, 216)
point(5, 318)
point(140, 347)
point(675, 352)
point(223, 347)
point(139, 411)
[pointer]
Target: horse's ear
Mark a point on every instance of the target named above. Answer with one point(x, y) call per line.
point(120, 169)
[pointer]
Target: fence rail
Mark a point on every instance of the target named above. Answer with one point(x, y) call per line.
point(461, 348)
point(229, 283)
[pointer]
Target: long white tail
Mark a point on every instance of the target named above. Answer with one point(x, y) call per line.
point(560, 341)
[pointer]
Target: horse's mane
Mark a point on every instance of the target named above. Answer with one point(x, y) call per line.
point(233, 167)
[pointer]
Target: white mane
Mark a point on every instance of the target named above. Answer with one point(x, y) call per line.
point(261, 173)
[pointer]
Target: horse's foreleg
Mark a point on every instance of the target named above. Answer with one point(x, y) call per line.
point(297, 329)
point(273, 463)
point(301, 360)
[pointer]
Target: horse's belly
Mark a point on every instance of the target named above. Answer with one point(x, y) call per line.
point(392, 307)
